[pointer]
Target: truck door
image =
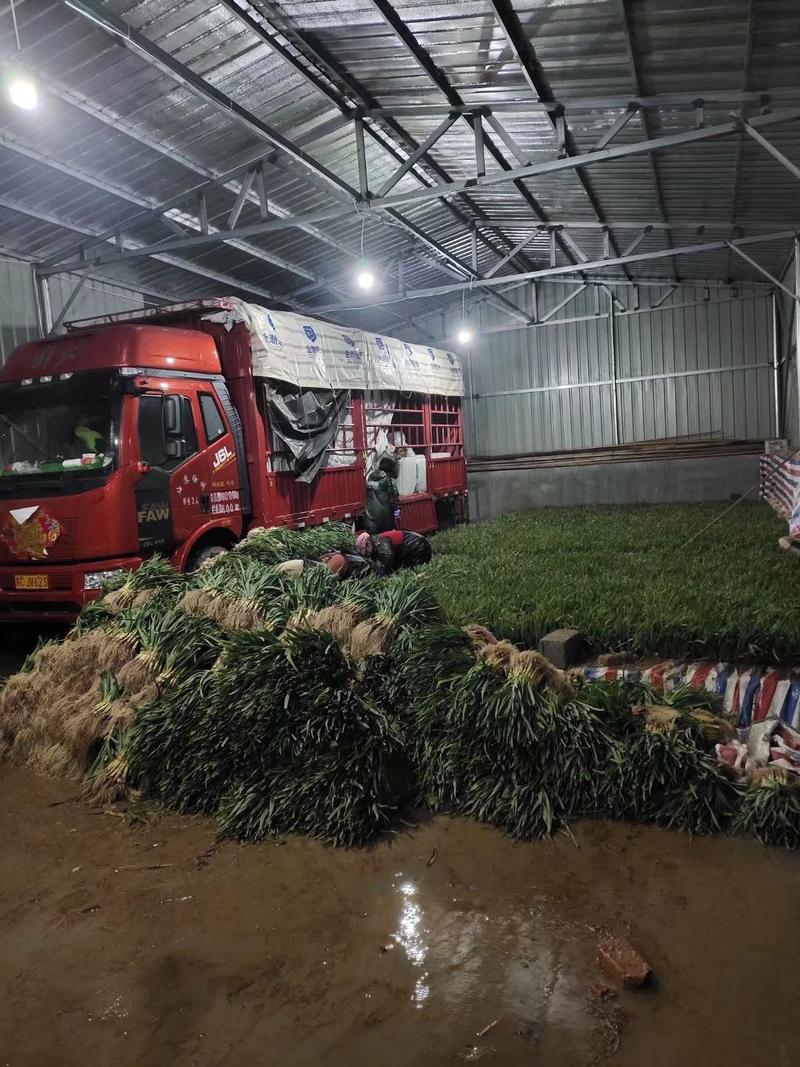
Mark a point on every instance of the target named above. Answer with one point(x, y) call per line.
point(222, 497)
point(169, 496)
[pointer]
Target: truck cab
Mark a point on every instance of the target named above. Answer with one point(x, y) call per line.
point(115, 443)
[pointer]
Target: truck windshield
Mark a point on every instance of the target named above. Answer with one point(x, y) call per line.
point(60, 426)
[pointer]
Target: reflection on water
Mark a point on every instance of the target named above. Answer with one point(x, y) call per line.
point(410, 937)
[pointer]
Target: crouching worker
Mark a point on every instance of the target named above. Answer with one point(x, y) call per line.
point(350, 565)
point(395, 548)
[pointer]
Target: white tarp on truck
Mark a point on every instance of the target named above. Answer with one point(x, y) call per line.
point(316, 355)
point(313, 354)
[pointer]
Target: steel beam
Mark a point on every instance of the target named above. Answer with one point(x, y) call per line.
point(633, 62)
point(524, 51)
point(757, 292)
point(663, 299)
point(264, 27)
point(420, 151)
point(507, 258)
point(737, 163)
point(612, 353)
point(171, 261)
point(73, 296)
point(44, 313)
point(637, 240)
point(776, 388)
point(757, 266)
point(563, 303)
point(617, 315)
point(575, 248)
point(598, 264)
point(545, 166)
point(56, 265)
point(210, 179)
point(688, 101)
point(507, 139)
point(773, 151)
point(441, 81)
point(241, 196)
point(173, 68)
point(361, 157)
point(688, 137)
point(619, 125)
point(191, 267)
point(164, 61)
point(480, 153)
point(619, 224)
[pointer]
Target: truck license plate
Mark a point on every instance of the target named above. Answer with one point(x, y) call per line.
point(31, 581)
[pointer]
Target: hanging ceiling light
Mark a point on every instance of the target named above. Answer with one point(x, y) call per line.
point(22, 93)
point(464, 335)
point(365, 277)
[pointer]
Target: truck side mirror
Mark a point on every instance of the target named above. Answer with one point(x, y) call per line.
point(173, 422)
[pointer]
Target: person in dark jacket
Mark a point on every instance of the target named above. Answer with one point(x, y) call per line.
point(395, 548)
point(382, 497)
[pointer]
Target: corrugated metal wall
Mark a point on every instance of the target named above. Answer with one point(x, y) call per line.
point(95, 298)
point(698, 365)
point(18, 321)
point(18, 311)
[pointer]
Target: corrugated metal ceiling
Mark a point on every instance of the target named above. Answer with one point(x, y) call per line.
point(116, 135)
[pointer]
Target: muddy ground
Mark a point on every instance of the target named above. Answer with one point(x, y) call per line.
point(147, 943)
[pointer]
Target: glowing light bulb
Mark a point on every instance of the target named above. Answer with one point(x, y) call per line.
point(464, 335)
point(365, 278)
point(22, 93)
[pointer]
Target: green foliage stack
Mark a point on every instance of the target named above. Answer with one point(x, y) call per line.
point(342, 703)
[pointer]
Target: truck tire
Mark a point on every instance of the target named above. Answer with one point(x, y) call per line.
point(202, 555)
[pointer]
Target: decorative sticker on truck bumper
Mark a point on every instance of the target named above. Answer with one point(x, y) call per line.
point(29, 532)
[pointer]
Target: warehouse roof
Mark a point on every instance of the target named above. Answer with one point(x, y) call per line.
point(318, 132)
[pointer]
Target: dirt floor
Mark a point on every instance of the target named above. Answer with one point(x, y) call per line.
point(147, 943)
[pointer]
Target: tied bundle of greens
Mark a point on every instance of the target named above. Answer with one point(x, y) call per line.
point(496, 734)
point(770, 810)
point(280, 543)
point(283, 738)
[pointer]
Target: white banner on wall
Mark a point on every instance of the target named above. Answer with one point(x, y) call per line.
point(316, 355)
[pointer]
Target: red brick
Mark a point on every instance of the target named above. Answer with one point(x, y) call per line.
point(621, 960)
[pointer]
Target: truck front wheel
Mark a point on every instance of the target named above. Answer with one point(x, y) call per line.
point(202, 555)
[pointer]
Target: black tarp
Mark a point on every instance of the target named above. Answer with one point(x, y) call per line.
point(306, 421)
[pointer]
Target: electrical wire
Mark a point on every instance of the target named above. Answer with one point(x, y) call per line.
point(16, 27)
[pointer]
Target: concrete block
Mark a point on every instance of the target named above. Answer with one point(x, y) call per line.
point(620, 959)
point(563, 648)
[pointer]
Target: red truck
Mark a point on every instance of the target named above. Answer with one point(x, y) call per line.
point(158, 432)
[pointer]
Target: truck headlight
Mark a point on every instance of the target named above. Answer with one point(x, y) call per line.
point(95, 579)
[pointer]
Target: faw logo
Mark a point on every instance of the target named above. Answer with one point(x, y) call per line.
point(157, 512)
point(222, 457)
